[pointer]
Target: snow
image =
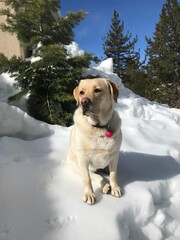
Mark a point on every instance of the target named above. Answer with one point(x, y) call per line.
point(40, 199)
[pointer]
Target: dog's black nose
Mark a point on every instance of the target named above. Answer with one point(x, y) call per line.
point(85, 102)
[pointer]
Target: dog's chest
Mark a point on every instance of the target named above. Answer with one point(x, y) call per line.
point(99, 160)
point(102, 143)
point(102, 153)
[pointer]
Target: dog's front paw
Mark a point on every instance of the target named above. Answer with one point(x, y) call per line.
point(89, 197)
point(116, 191)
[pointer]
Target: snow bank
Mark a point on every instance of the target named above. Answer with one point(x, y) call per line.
point(7, 90)
point(41, 199)
point(16, 123)
point(6, 87)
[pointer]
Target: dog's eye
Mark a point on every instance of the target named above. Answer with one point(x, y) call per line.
point(97, 90)
point(81, 92)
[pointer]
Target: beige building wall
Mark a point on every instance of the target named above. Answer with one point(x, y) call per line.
point(9, 44)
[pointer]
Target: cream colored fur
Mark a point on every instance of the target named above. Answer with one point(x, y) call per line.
point(89, 148)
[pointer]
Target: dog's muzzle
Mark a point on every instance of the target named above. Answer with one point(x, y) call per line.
point(85, 103)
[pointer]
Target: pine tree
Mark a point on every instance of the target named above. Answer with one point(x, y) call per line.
point(119, 46)
point(3, 63)
point(136, 76)
point(164, 56)
point(49, 80)
point(37, 21)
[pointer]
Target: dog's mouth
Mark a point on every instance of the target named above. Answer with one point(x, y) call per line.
point(88, 111)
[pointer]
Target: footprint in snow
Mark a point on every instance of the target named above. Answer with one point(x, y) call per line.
point(60, 222)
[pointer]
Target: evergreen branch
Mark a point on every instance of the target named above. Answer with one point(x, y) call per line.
point(17, 96)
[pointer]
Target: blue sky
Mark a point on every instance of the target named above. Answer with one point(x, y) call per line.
point(139, 16)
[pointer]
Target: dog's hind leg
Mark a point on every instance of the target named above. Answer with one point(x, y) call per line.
point(105, 185)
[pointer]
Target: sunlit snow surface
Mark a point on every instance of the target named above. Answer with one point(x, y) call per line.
point(40, 199)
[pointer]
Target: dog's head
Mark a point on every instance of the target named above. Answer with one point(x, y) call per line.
point(95, 95)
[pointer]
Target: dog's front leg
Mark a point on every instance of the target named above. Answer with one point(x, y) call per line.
point(115, 188)
point(88, 196)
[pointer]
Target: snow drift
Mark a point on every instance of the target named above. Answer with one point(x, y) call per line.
point(41, 199)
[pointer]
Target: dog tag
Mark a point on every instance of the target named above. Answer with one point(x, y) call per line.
point(108, 134)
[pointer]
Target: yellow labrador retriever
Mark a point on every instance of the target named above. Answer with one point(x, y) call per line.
point(96, 135)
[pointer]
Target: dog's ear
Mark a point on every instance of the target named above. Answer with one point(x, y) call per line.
point(76, 94)
point(114, 90)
